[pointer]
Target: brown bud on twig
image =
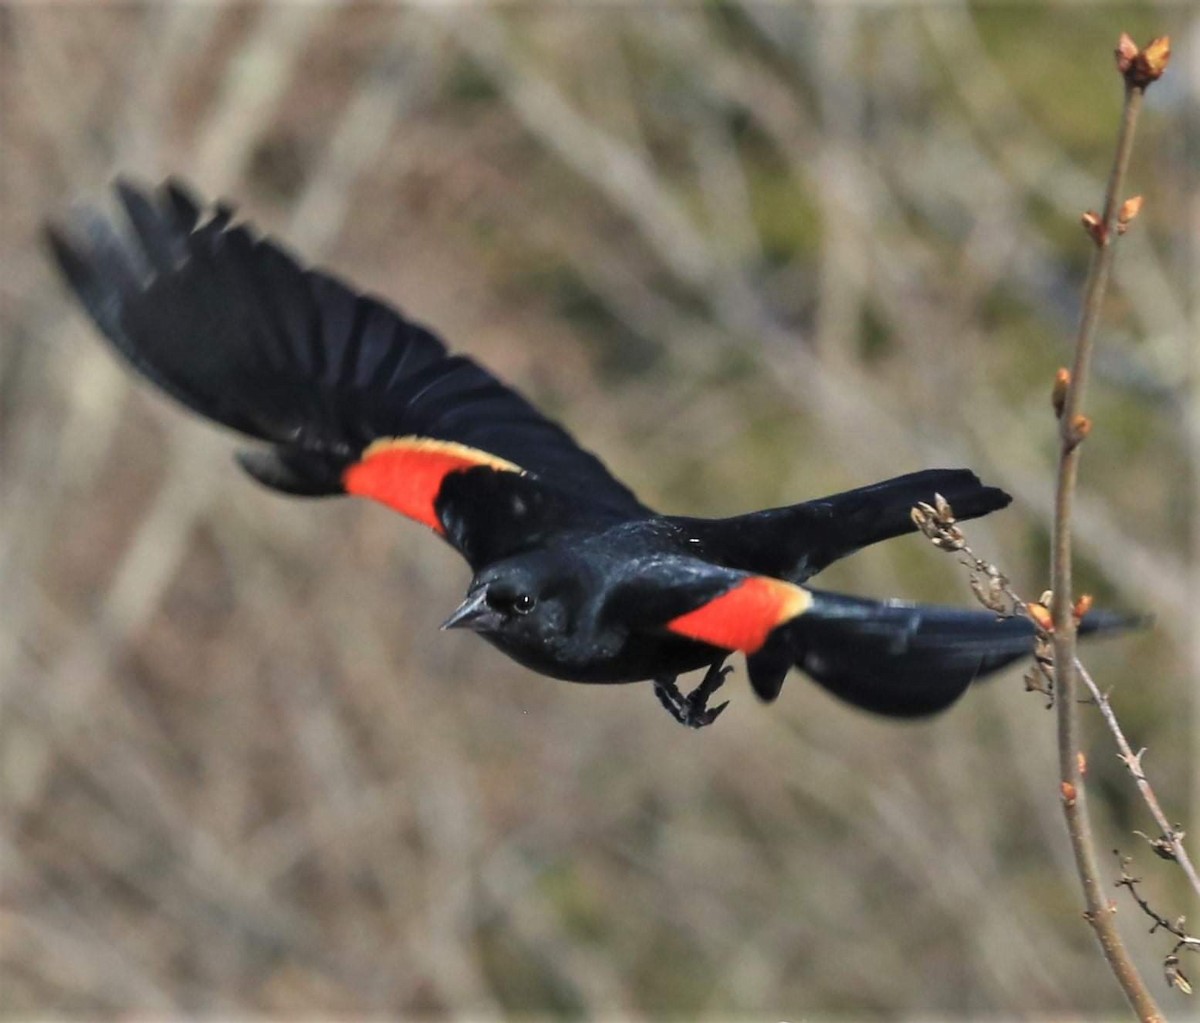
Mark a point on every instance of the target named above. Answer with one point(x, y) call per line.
point(1150, 64)
point(1041, 616)
point(1094, 226)
point(1078, 429)
point(1058, 396)
point(1082, 606)
point(1130, 208)
point(1141, 67)
point(1068, 793)
point(1126, 51)
point(1081, 763)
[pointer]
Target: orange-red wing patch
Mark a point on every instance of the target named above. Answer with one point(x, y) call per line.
point(741, 618)
point(406, 473)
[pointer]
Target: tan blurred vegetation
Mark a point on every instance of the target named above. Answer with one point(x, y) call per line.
point(751, 254)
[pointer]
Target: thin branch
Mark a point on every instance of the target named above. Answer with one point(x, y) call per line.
point(1074, 428)
point(994, 591)
point(1184, 941)
point(1170, 843)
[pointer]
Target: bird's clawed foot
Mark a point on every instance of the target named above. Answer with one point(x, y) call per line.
point(693, 710)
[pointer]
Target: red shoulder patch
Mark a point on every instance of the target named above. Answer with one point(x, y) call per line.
point(406, 473)
point(743, 617)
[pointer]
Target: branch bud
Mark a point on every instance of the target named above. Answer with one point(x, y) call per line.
point(1126, 52)
point(1154, 58)
point(1130, 208)
point(1094, 226)
point(1078, 430)
point(1041, 617)
point(1082, 606)
point(1141, 67)
point(1058, 396)
point(1081, 763)
point(1068, 793)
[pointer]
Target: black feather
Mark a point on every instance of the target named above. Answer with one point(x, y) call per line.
point(798, 541)
point(909, 660)
point(231, 325)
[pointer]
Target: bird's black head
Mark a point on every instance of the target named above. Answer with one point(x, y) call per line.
point(532, 600)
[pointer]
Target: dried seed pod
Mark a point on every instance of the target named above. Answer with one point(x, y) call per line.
point(1043, 651)
point(951, 540)
point(988, 586)
point(1175, 976)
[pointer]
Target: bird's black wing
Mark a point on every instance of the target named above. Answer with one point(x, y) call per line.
point(798, 541)
point(349, 395)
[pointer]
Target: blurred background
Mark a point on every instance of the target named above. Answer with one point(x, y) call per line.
point(751, 254)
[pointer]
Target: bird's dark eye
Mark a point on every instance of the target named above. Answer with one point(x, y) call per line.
point(523, 603)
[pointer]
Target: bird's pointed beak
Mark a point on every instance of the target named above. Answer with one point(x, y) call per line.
point(474, 613)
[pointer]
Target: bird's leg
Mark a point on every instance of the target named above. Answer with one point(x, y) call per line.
point(692, 710)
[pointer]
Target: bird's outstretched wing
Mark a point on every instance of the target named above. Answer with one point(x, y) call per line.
point(799, 541)
point(349, 396)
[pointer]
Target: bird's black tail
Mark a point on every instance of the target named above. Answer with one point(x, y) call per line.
point(894, 658)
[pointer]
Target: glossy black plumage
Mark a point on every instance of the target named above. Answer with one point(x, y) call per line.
point(574, 576)
point(233, 327)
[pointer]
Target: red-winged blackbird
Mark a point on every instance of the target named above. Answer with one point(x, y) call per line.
point(574, 576)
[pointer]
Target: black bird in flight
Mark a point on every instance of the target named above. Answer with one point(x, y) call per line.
point(573, 576)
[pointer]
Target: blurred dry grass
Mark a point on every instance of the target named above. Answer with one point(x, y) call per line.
point(751, 254)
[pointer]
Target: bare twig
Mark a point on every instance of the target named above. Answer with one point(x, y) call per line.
point(1074, 428)
point(994, 591)
point(1169, 844)
point(1175, 976)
